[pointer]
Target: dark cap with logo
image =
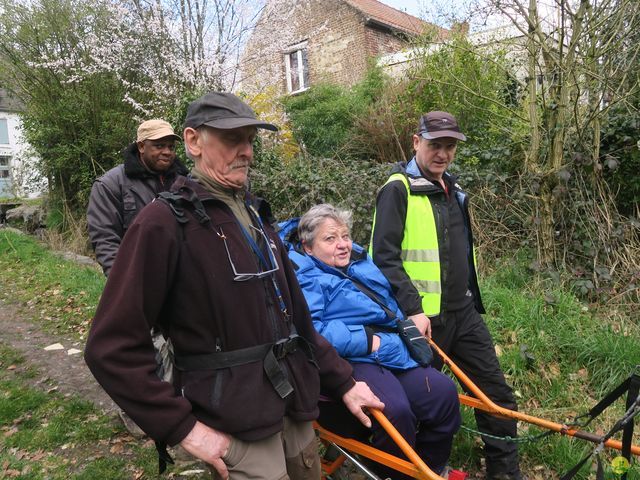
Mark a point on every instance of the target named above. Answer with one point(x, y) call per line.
point(438, 125)
point(222, 110)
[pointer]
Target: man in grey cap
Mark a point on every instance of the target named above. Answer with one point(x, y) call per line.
point(205, 267)
point(150, 166)
point(422, 242)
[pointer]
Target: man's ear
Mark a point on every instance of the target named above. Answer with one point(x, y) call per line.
point(140, 147)
point(416, 142)
point(192, 141)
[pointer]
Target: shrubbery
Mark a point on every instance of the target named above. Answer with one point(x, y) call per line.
point(621, 154)
point(324, 119)
point(295, 186)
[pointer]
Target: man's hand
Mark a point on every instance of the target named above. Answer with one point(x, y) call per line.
point(208, 445)
point(423, 323)
point(359, 397)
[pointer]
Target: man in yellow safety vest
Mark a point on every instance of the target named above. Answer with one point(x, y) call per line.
point(422, 242)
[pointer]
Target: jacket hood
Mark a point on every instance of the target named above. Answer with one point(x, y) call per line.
point(288, 231)
point(134, 168)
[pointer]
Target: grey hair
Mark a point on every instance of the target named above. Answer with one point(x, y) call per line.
point(317, 214)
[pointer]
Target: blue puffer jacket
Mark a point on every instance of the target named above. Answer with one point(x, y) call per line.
point(340, 311)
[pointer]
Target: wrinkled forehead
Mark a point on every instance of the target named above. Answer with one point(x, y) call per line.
point(333, 226)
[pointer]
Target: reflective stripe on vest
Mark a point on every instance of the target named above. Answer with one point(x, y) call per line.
point(420, 253)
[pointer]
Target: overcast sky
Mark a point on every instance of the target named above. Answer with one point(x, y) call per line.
point(412, 7)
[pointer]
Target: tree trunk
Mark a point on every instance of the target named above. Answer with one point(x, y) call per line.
point(532, 159)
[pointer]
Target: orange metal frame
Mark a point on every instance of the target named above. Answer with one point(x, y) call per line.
point(416, 468)
point(483, 402)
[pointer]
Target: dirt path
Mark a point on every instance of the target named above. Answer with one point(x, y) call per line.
point(68, 373)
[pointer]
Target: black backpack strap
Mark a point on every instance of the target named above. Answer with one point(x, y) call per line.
point(177, 201)
point(177, 204)
point(163, 457)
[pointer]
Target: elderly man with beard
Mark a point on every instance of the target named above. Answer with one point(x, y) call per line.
point(205, 267)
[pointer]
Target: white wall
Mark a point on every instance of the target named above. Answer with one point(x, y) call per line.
point(23, 180)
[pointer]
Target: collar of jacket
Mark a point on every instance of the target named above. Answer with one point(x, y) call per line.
point(184, 184)
point(418, 183)
point(133, 167)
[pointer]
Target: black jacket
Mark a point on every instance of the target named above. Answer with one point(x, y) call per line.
point(118, 196)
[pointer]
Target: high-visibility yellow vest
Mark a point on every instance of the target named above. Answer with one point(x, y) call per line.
point(420, 254)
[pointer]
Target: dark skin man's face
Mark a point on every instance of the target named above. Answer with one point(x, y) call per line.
point(158, 155)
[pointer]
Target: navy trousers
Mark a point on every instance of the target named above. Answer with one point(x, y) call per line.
point(464, 337)
point(422, 403)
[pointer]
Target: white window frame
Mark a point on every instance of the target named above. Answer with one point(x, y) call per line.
point(7, 167)
point(6, 123)
point(297, 50)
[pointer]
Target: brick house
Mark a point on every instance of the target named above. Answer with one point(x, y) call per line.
point(297, 43)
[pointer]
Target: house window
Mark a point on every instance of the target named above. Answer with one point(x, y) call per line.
point(4, 166)
point(297, 68)
point(4, 131)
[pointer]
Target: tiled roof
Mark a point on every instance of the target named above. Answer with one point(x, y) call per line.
point(390, 16)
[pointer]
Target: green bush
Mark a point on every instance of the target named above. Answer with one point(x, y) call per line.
point(478, 87)
point(79, 112)
point(620, 155)
point(324, 117)
point(295, 186)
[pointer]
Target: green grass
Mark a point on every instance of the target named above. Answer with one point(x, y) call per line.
point(63, 295)
point(579, 357)
point(580, 354)
point(47, 435)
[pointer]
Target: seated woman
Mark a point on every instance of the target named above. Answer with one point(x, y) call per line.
point(422, 403)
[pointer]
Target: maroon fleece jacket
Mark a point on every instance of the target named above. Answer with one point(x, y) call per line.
point(178, 277)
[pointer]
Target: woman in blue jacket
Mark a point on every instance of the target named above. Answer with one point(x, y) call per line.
point(421, 402)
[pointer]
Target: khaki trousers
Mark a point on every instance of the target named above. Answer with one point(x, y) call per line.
point(291, 454)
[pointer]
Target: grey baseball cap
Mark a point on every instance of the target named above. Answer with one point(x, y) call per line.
point(438, 125)
point(222, 110)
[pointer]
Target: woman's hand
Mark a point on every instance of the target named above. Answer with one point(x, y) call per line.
point(375, 343)
point(423, 323)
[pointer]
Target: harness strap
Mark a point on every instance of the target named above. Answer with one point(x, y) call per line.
point(219, 360)
point(608, 399)
point(268, 353)
point(163, 457)
point(627, 432)
point(177, 203)
point(631, 386)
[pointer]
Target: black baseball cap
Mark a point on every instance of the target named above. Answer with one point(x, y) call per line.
point(438, 125)
point(222, 110)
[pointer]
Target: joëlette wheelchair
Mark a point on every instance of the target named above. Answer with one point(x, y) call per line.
point(413, 466)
